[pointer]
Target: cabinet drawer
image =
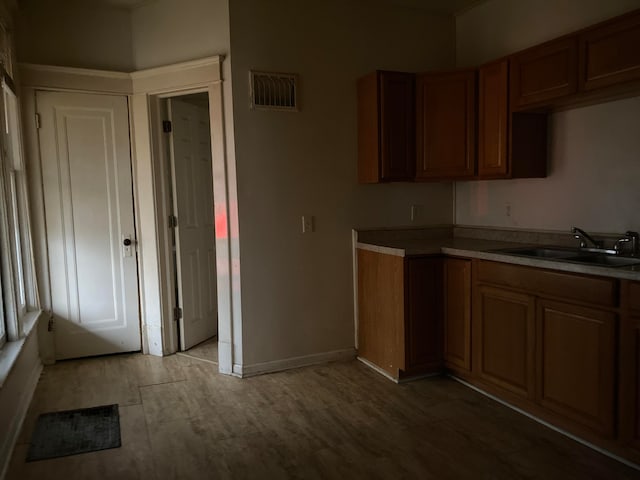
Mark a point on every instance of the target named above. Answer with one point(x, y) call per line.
point(593, 290)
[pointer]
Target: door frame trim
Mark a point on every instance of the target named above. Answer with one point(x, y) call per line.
point(144, 89)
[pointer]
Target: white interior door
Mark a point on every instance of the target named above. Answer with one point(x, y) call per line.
point(86, 168)
point(195, 236)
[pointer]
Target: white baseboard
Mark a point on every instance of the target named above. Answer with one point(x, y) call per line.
point(14, 430)
point(293, 362)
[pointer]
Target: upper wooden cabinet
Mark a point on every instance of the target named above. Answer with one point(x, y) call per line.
point(610, 53)
point(493, 119)
point(490, 122)
point(445, 123)
point(545, 73)
point(386, 127)
point(510, 144)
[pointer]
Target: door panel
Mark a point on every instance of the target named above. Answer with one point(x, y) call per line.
point(445, 124)
point(86, 168)
point(545, 73)
point(397, 126)
point(504, 339)
point(576, 368)
point(193, 204)
point(457, 316)
point(493, 120)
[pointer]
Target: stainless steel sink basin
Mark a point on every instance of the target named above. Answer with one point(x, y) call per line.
point(606, 260)
point(573, 256)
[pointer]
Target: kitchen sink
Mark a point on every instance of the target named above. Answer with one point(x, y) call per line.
point(541, 252)
point(606, 260)
point(573, 256)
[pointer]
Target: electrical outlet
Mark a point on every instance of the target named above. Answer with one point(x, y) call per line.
point(307, 223)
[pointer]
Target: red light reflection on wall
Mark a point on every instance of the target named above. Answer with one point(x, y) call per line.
point(221, 225)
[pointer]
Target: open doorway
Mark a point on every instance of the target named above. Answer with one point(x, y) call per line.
point(188, 151)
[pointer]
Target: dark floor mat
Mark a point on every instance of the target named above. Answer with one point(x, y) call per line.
point(59, 434)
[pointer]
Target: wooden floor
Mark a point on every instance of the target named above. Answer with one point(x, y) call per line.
point(207, 350)
point(180, 419)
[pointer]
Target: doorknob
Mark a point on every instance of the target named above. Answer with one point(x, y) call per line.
point(126, 246)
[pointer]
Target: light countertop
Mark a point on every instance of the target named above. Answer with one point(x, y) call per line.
point(489, 250)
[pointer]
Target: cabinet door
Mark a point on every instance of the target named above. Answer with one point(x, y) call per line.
point(629, 366)
point(445, 124)
point(610, 53)
point(423, 331)
point(545, 73)
point(457, 314)
point(397, 126)
point(504, 339)
point(576, 362)
point(381, 310)
point(629, 421)
point(493, 115)
point(386, 127)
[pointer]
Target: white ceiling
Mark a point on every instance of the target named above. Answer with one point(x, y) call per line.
point(438, 6)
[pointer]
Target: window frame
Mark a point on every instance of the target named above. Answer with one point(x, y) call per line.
point(17, 273)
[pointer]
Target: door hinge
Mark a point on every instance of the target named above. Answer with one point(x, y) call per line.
point(173, 221)
point(38, 121)
point(50, 324)
point(177, 313)
point(166, 126)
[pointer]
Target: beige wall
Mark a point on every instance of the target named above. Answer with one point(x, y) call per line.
point(594, 170)
point(74, 33)
point(297, 289)
point(166, 31)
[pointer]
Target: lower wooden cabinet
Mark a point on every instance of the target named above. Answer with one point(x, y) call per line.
point(504, 339)
point(576, 363)
point(457, 314)
point(629, 367)
point(563, 346)
point(381, 309)
point(635, 383)
point(549, 340)
point(400, 313)
point(423, 317)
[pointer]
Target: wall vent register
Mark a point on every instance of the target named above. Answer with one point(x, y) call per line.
point(273, 91)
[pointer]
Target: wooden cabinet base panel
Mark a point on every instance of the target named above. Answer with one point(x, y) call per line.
point(550, 420)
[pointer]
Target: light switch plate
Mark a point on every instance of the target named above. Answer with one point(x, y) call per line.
point(307, 223)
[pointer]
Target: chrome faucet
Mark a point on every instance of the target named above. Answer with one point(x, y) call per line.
point(630, 237)
point(584, 237)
